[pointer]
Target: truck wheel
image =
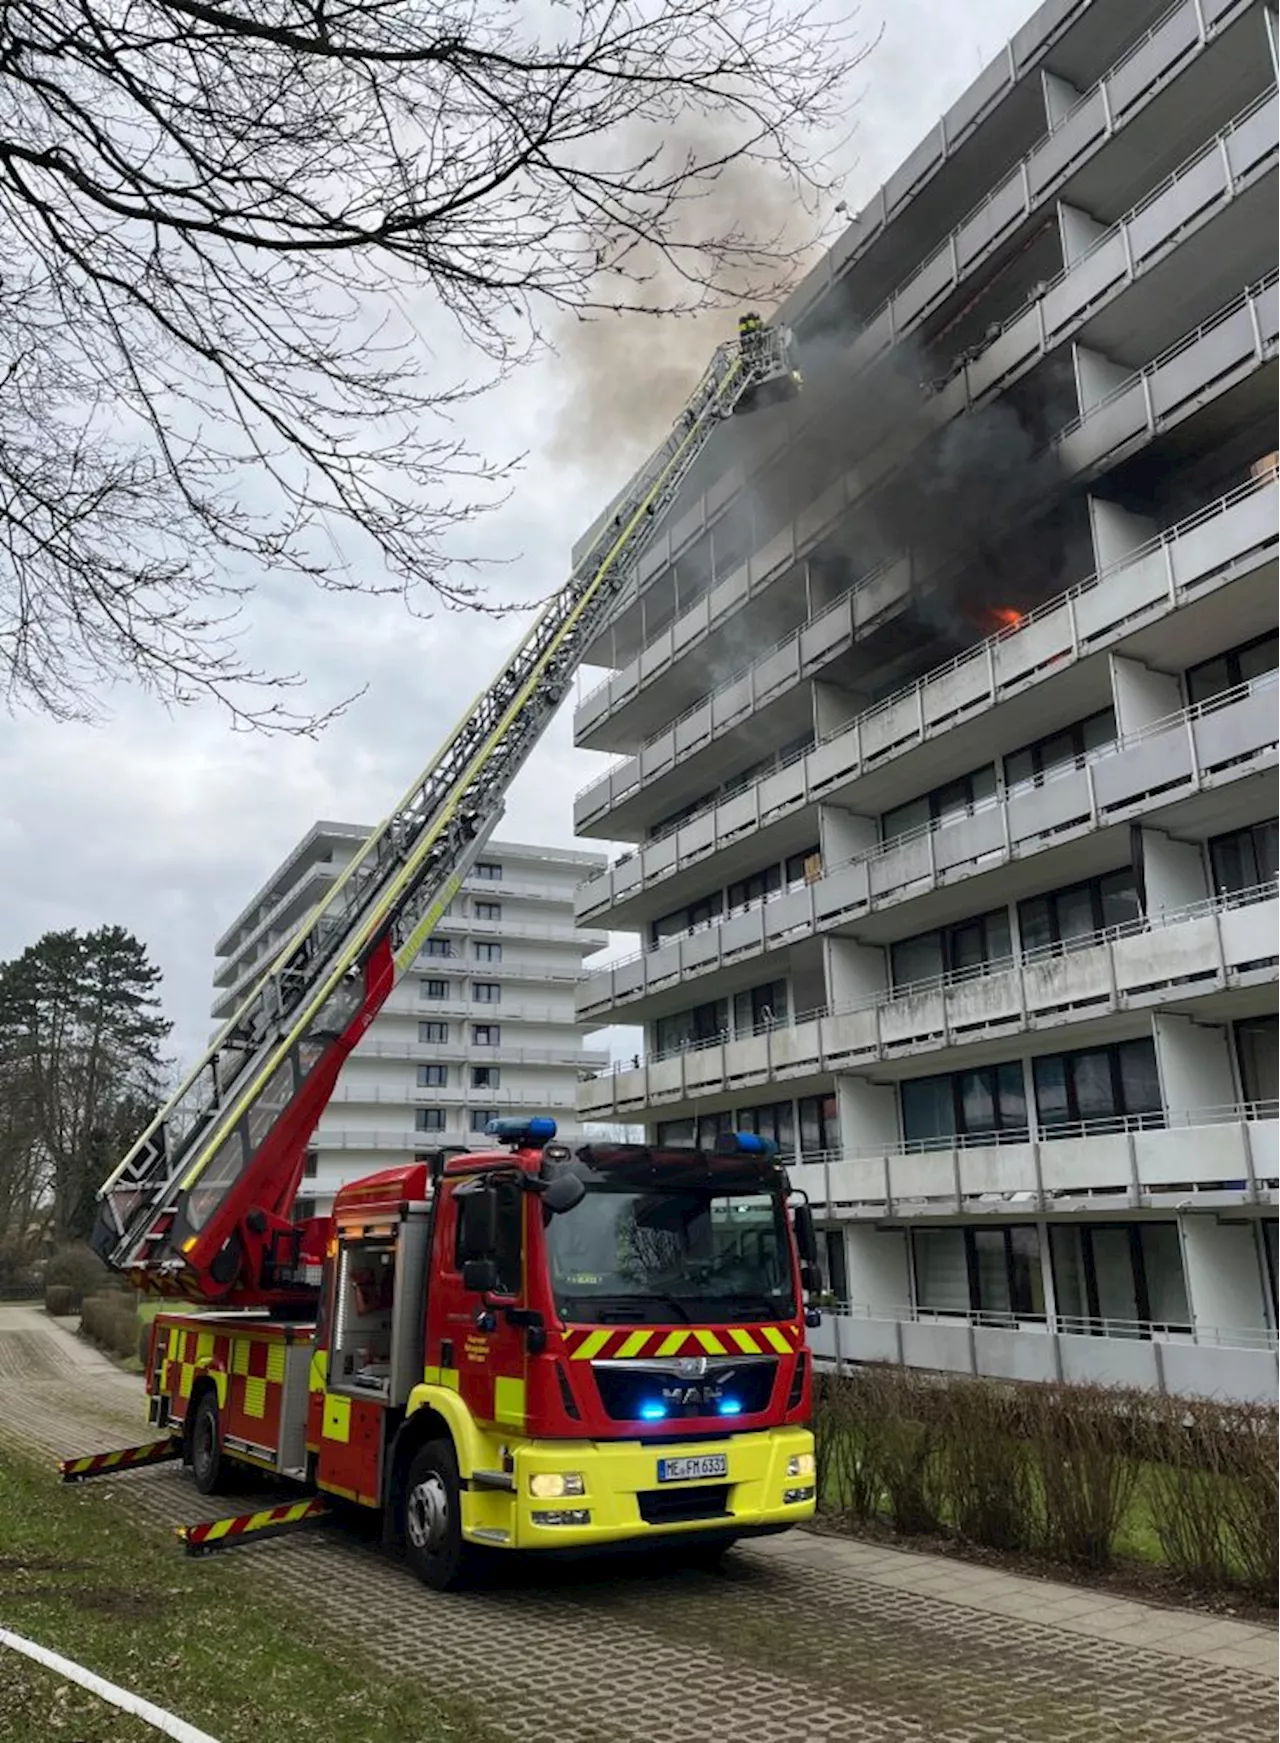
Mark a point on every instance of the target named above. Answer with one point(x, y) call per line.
point(433, 1519)
point(205, 1446)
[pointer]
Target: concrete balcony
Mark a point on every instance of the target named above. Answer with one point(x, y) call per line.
point(1204, 1158)
point(1070, 164)
point(1236, 1363)
point(1211, 548)
point(459, 969)
point(1212, 948)
point(461, 1051)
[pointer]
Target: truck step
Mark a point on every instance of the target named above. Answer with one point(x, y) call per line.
point(493, 1480)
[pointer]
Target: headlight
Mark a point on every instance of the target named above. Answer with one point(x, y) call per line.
point(800, 1465)
point(555, 1485)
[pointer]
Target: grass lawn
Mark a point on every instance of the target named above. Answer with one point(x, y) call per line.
point(78, 1577)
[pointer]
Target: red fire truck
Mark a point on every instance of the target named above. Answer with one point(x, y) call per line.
point(529, 1347)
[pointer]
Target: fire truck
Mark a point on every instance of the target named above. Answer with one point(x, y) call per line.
point(534, 1346)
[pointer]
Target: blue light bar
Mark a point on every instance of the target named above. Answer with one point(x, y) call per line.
point(652, 1412)
point(730, 1407)
point(529, 1134)
point(752, 1144)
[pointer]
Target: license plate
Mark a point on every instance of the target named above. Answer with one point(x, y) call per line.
point(689, 1469)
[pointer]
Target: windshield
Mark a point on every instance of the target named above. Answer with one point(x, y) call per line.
point(671, 1255)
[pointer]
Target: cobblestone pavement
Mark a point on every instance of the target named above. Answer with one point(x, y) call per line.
point(802, 1639)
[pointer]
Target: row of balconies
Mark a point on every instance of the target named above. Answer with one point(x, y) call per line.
point(1218, 173)
point(410, 1003)
point(456, 969)
point(459, 1050)
point(1212, 545)
point(1147, 1161)
point(1207, 949)
point(1204, 365)
point(1234, 344)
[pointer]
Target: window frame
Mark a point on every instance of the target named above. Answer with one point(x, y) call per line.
point(433, 1040)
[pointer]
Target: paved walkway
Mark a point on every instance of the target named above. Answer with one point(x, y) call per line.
point(802, 1639)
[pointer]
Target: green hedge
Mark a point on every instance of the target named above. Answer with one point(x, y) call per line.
point(1071, 1472)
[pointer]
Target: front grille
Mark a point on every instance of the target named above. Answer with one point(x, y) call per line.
point(627, 1388)
point(678, 1506)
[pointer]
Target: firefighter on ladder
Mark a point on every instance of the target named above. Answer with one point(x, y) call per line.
point(750, 339)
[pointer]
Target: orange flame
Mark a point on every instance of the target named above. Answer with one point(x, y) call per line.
point(1006, 616)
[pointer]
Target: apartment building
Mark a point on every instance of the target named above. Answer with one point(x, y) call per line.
point(946, 717)
point(484, 1026)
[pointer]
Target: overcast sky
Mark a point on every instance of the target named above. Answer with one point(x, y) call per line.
point(167, 823)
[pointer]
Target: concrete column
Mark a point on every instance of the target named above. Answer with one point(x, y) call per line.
point(1078, 231)
point(1171, 872)
point(1141, 695)
point(1060, 97)
point(868, 1114)
point(856, 973)
point(843, 835)
point(1224, 1278)
point(879, 1270)
point(1117, 532)
point(1097, 376)
point(834, 707)
point(1194, 1061)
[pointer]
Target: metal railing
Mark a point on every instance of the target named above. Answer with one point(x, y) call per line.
point(1062, 1324)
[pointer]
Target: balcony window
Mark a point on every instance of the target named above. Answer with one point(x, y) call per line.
point(774, 1120)
point(1237, 666)
point(487, 952)
point(485, 1076)
point(703, 1023)
point(486, 1035)
point(435, 989)
point(310, 1165)
point(673, 1132)
point(835, 1263)
point(819, 1124)
point(1119, 1279)
point(486, 992)
point(428, 1119)
point(686, 919)
point(1097, 1083)
point(480, 1118)
point(433, 1076)
point(951, 949)
point(1244, 859)
point(1061, 749)
point(488, 910)
point(433, 1032)
point(944, 804)
point(487, 869)
point(760, 1009)
point(1079, 910)
point(750, 891)
point(989, 1100)
point(1257, 1040)
point(804, 868)
point(439, 947)
point(996, 1272)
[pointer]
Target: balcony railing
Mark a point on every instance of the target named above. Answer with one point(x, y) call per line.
point(1065, 1324)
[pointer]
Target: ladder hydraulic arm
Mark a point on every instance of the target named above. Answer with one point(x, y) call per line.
point(199, 1207)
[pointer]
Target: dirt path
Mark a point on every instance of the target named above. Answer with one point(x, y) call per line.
point(803, 1640)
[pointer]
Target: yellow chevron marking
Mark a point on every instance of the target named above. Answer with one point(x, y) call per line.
point(776, 1338)
point(591, 1346)
point(744, 1341)
point(634, 1344)
point(710, 1342)
point(255, 1397)
point(219, 1528)
point(671, 1343)
point(275, 1364)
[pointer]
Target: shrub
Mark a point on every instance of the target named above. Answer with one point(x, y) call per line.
point(79, 1269)
point(60, 1299)
point(985, 1465)
point(112, 1321)
point(1215, 1493)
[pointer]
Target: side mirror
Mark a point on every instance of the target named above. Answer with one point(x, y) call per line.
point(563, 1193)
point(477, 1221)
point(810, 1278)
point(806, 1234)
point(479, 1276)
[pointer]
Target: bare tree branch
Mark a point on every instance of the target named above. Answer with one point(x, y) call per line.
point(237, 237)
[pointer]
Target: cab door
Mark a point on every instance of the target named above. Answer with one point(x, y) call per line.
point(485, 1333)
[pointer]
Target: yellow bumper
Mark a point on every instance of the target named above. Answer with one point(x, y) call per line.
point(768, 1484)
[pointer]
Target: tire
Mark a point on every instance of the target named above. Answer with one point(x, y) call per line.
point(204, 1446)
point(432, 1519)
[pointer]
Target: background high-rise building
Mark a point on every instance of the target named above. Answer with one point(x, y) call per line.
point(946, 698)
point(485, 1025)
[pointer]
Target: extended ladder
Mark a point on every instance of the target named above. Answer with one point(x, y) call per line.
point(178, 1212)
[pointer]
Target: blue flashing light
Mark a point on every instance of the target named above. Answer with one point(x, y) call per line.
point(752, 1144)
point(529, 1134)
point(653, 1412)
point(730, 1407)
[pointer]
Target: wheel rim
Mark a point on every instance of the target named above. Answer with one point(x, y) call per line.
point(427, 1514)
